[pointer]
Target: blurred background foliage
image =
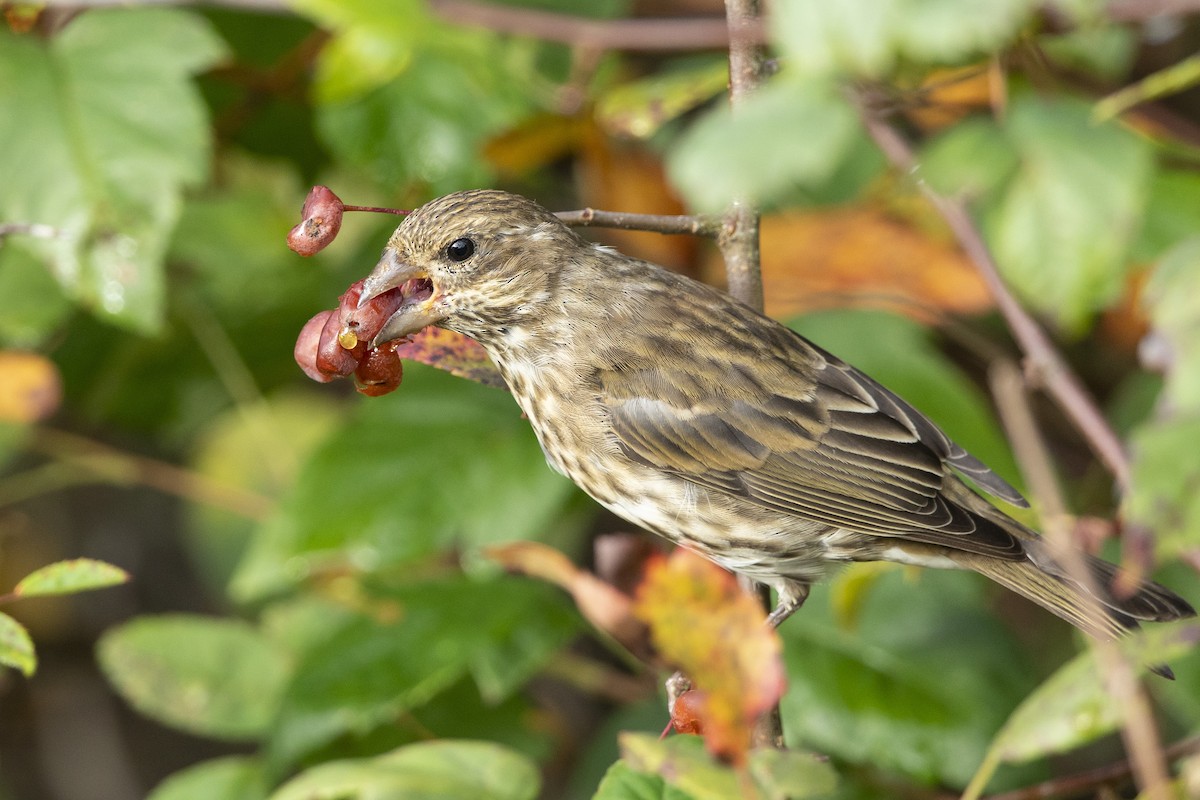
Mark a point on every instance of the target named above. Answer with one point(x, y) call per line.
point(313, 612)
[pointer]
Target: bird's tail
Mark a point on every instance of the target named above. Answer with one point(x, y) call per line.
point(1097, 609)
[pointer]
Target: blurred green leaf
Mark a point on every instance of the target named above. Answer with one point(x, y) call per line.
point(623, 782)
point(420, 639)
point(1106, 51)
point(23, 277)
point(100, 145)
point(288, 427)
point(1062, 232)
point(756, 154)
point(1074, 706)
point(639, 109)
point(868, 37)
point(442, 462)
point(1172, 213)
point(205, 675)
point(16, 648)
point(462, 770)
point(682, 762)
point(228, 778)
point(1165, 470)
point(788, 774)
point(411, 98)
point(919, 692)
point(70, 577)
point(955, 162)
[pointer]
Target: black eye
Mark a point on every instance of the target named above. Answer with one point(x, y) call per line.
point(460, 250)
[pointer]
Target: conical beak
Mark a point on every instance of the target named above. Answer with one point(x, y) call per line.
point(418, 309)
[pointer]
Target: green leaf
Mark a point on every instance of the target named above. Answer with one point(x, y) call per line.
point(919, 692)
point(682, 762)
point(100, 146)
point(1165, 471)
point(441, 463)
point(228, 778)
point(1062, 231)
point(868, 37)
point(623, 782)
point(1163, 497)
point(16, 648)
point(1172, 214)
point(208, 676)
point(410, 98)
point(447, 770)
point(423, 638)
point(952, 163)
point(640, 109)
point(754, 154)
point(70, 577)
point(23, 323)
point(792, 775)
point(1074, 706)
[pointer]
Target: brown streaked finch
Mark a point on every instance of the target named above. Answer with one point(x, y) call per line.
point(694, 416)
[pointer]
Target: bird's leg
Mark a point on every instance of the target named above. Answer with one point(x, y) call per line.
point(792, 595)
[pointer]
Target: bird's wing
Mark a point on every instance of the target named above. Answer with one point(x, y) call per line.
point(814, 437)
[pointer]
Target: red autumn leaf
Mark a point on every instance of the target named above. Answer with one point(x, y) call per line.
point(701, 621)
point(453, 353)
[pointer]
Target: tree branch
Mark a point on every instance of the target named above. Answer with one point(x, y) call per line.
point(1084, 782)
point(668, 34)
point(696, 225)
point(1138, 729)
point(1042, 360)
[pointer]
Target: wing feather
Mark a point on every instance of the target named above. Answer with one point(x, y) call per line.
point(826, 444)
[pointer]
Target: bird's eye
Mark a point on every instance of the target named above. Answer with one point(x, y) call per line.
point(460, 250)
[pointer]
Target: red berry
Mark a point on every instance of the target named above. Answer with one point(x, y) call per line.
point(380, 371)
point(322, 215)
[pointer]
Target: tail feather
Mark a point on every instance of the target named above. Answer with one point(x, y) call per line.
point(1103, 614)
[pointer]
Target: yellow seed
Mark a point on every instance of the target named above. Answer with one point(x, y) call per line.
point(348, 339)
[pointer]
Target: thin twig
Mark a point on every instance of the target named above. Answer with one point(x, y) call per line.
point(1139, 731)
point(38, 230)
point(1085, 782)
point(696, 225)
point(738, 239)
point(651, 35)
point(121, 467)
point(1043, 360)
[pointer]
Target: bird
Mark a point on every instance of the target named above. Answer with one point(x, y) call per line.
point(697, 418)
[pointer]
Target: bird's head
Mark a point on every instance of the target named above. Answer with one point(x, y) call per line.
point(470, 262)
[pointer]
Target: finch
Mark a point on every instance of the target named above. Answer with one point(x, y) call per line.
point(695, 417)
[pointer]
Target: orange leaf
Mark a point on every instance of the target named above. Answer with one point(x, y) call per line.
point(453, 353)
point(607, 608)
point(30, 388)
point(864, 257)
point(948, 95)
point(701, 621)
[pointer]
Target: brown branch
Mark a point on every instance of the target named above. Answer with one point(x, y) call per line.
point(117, 466)
point(696, 225)
point(1084, 782)
point(37, 230)
point(1138, 729)
point(1042, 360)
point(669, 34)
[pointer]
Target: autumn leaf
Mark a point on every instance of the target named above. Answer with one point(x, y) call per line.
point(453, 353)
point(701, 621)
point(31, 389)
point(864, 256)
